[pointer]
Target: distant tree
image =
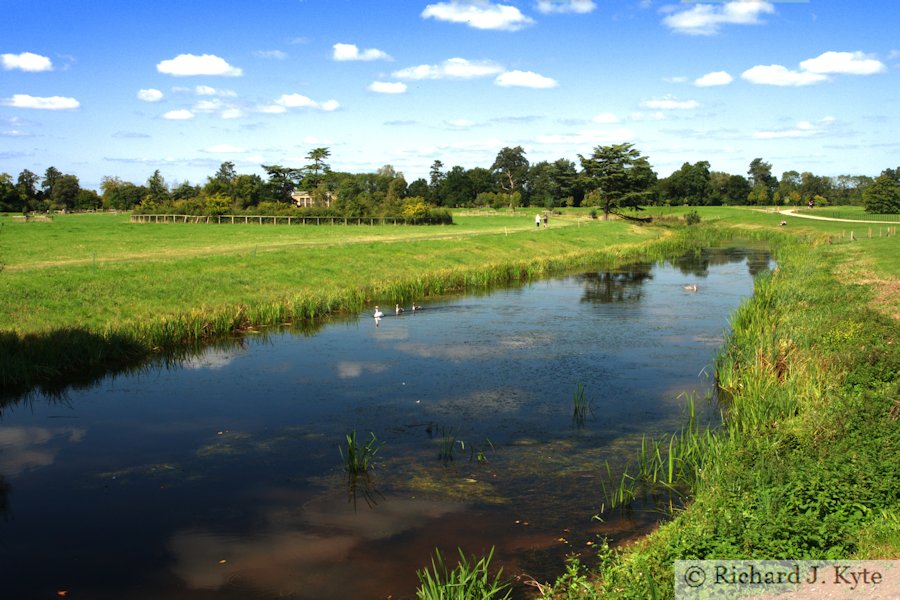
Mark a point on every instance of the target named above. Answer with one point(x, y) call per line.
point(247, 190)
point(51, 176)
point(760, 173)
point(848, 189)
point(883, 195)
point(87, 200)
point(64, 194)
point(185, 191)
point(621, 175)
point(457, 189)
point(121, 195)
point(690, 184)
point(282, 182)
point(318, 168)
point(10, 201)
point(27, 187)
point(511, 169)
point(419, 188)
point(435, 183)
point(157, 190)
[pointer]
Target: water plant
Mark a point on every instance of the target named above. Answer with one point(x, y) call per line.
point(580, 406)
point(470, 579)
point(359, 458)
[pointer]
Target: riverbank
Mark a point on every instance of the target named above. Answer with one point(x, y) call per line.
point(805, 463)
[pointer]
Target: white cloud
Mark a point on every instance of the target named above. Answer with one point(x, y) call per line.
point(801, 130)
point(185, 65)
point(527, 79)
point(225, 149)
point(272, 54)
point(676, 79)
point(588, 137)
point(605, 118)
point(209, 106)
point(287, 101)
point(845, 63)
point(26, 61)
point(232, 113)
point(453, 68)
point(479, 15)
point(344, 52)
point(713, 79)
point(565, 6)
point(42, 103)
point(642, 116)
point(669, 103)
point(780, 76)
point(387, 87)
point(150, 95)
point(205, 90)
point(707, 19)
point(179, 115)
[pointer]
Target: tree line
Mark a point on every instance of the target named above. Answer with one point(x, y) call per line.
point(612, 178)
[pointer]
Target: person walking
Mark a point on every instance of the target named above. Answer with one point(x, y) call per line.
point(537, 220)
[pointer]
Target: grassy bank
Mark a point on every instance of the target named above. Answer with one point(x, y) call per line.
point(805, 464)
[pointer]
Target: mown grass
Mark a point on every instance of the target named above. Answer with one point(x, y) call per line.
point(805, 463)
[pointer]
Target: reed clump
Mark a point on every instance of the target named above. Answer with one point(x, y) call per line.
point(470, 579)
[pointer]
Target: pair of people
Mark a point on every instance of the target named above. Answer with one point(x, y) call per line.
point(537, 220)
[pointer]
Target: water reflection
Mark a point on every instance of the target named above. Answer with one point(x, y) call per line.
point(230, 455)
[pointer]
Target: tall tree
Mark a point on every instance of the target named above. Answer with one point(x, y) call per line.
point(282, 181)
point(511, 169)
point(621, 175)
point(436, 182)
point(760, 173)
point(27, 186)
point(157, 190)
point(318, 168)
point(690, 183)
point(883, 195)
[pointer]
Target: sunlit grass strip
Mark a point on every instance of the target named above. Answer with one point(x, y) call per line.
point(470, 579)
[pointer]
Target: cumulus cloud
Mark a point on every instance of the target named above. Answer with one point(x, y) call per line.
point(232, 113)
point(271, 54)
point(288, 101)
point(387, 87)
point(26, 61)
point(669, 103)
point(206, 90)
point(713, 79)
point(844, 63)
point(588, 137)
point(801, 130)
point(527, 79)
point(186, 65)
point(781, 76)
point(179, 115)
point(453, 68)
point(565, 6)
point(150, 95)
point(605, 118)
point(707, 19)
point(343, 52)
point(42, 103)
point(479, 15)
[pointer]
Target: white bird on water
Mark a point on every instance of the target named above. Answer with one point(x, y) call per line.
point(691, 287)
point(378, 314)
point(398, 309)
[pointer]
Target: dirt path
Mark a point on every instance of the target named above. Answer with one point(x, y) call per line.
point(791, 213)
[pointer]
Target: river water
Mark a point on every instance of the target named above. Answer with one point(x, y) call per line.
point(221, 477)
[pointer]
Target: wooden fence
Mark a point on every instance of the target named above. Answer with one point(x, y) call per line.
point(273, 220)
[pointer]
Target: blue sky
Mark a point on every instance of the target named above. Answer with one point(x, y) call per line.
point(111, 88)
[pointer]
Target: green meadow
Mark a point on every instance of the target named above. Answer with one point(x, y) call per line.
point(803, 465)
